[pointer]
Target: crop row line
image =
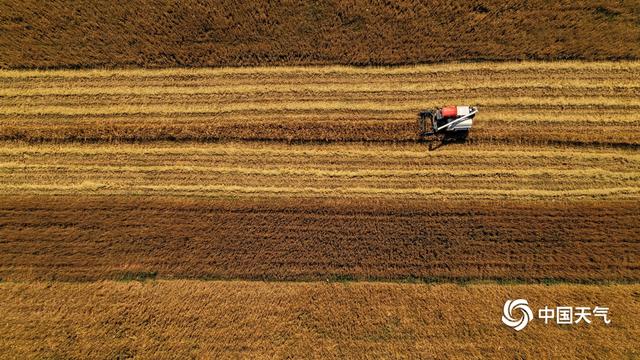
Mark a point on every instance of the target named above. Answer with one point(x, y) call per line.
point(631, 102)
point(323, 70)
point(234, 117)
point(591, 172)
point(305, 151)
point(89, 187)
point(104, 89)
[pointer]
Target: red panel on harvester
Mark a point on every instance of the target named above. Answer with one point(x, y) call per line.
point(449, 111)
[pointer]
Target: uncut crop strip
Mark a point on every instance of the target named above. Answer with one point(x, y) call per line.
point(395, 171)
point(571, 103)
point(327, 320)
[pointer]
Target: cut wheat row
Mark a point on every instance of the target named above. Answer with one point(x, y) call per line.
point(387, 172)
point(96, 188)
point(80, 109)
point(105, 88)
point(404, 150)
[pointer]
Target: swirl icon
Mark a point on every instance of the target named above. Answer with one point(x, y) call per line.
point(507, 314)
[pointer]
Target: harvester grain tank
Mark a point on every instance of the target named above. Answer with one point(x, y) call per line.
point(449, 121)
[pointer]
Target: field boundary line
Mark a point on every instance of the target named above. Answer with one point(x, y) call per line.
point(337, 69)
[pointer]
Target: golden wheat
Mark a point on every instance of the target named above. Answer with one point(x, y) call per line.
point(325, 320)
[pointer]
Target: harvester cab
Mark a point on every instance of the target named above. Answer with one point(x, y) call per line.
point(449, 122)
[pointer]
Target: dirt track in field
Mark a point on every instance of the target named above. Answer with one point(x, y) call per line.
point(115, 174)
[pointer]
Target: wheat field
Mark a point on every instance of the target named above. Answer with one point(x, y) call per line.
point(309, 320)
point(590, 103)
point(275, 180)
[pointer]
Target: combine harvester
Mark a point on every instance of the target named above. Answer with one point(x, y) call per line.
point(450, 123)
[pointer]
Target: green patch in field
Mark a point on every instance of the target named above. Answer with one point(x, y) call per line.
point(342, 278)
point(138, 276)
point(608, 13)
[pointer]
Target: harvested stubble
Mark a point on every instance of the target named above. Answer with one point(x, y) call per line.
point(85, 237)
point(494, 208)
point(397, 171)
point(570, 103)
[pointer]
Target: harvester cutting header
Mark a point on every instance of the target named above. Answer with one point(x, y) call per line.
point(447, 122)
